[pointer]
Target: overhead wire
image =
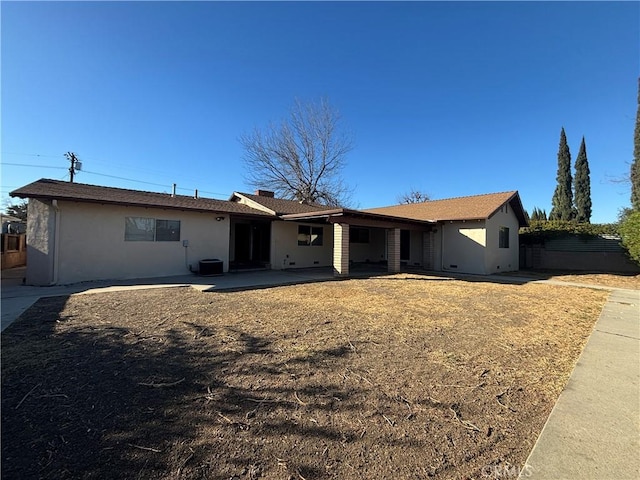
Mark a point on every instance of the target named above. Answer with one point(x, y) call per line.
point(163, 185)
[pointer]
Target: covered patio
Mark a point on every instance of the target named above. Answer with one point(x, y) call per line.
point(370, 238)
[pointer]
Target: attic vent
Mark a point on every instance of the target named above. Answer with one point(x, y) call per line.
point(265, 193)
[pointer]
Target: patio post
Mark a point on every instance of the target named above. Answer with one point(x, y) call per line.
point(340, 249)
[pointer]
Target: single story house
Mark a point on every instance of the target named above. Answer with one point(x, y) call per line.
point(78, 232)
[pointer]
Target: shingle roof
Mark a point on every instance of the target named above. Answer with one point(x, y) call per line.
point(460, 208)
point(281, 206)
point(45, 188)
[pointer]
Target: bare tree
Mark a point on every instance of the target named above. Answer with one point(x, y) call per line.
point(303, 157)
point(413, 196)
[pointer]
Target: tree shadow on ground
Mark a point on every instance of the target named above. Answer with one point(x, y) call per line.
point(87, 399)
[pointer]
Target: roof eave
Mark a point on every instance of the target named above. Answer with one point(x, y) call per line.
point(40, 196)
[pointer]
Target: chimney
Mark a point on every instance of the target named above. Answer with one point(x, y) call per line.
point(265, 193)
point(173, 191)
point(196, 194)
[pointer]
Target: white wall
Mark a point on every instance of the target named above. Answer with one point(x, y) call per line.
point(463, 246)
point(286, 253)
point(92, 244)
point(502, 259)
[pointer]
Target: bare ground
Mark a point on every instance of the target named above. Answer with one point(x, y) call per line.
point(629, 281)
point(392, 377)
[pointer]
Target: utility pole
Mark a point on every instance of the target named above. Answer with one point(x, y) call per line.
point(76, 165)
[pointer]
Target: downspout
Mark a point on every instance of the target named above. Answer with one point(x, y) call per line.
point(56, 240)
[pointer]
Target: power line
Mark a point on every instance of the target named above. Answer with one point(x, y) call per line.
point(31, 165)
point(119, 165)
point(66, 176)
point(128, 179)
point(30, 154)
point(151, 183)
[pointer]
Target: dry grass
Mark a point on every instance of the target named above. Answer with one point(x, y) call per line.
point(403, 376)
point(614, 280)
point(631, 282)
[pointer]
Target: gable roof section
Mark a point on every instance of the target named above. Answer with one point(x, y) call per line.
point(275, 206)
point(81, 192)
point(476, 207)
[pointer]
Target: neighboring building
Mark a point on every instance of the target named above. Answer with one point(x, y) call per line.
point(78, 232)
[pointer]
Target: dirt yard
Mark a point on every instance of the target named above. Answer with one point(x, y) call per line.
point(401, 377)
point(629, 281)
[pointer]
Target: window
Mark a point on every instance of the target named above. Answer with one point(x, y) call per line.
point(503, 237)
point(310, 235)
point(316, 236)
point(358, 235)
point(167, 230)
point(140, 229)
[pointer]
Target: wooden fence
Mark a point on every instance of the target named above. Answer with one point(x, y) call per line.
point(14, 250)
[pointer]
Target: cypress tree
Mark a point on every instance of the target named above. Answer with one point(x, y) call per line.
point(635, 166)
point(562, 201)
point(538, 215)
point(582, 185)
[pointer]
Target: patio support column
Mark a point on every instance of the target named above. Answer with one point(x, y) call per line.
point(340, 249)
point(393, 255)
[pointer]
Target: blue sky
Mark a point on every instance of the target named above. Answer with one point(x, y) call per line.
point(449, 98)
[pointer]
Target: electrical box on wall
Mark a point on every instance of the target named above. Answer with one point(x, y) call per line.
point(185, 243)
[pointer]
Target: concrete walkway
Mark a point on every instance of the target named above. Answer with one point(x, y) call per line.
point(17, 298)
point(593, 431)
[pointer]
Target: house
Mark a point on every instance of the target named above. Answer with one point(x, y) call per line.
point(474, 234)
point(78, 232)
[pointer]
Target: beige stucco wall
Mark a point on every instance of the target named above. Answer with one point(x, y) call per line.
point(416, 252)
point(286, 253)
point(374, 251)
point(502, 259)
point(91, 243)
point(463, 246)
point(40, 242)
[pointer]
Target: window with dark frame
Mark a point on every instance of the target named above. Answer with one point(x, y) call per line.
point(167, 230)
point(140, 229)
point(503, 237)
point(310, 236)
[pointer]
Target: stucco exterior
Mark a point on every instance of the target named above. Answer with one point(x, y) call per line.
point(79, 232)
point(416, 251)
point(286, 253)
point(85, 241)
point(502, 259)
point(41, 242)
point(374, 251)
point(473, 246)
point(463, 246)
